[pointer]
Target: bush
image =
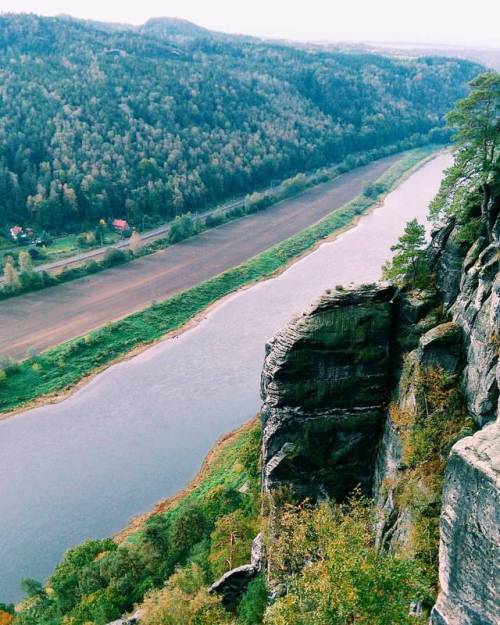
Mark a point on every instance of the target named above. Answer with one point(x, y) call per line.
point(212, 221)
point(182, 228)
point(114, 256)
point(327, 563)
point(184, 601)
point(91, 266)
point(86, 239)
point(253, 604)
point(373, 189)
point(292, 186)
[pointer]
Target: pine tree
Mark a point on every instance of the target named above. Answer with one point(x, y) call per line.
point(408, 266)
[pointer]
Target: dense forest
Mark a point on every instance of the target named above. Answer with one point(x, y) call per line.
point(108, 121)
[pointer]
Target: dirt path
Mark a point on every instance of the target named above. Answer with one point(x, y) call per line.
point(43, 319)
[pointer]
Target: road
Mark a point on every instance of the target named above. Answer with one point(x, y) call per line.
point(46, 318)
point(149, 235)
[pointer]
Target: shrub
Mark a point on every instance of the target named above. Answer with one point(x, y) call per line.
point(253, 604)
point(331, 572)
point(373, 189)
point(91, 266)
point(114, 256)
point(293, 186)
point(182, 228)
point(86, 239)
point(184, 601)
point(213, 221)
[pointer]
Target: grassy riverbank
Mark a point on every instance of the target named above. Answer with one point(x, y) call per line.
point(185, 530)
point(65, 365)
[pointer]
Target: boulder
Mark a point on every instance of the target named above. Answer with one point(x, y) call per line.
point(233, 584)
point(442, 347)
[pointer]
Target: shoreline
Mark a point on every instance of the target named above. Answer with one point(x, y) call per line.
point(136, 522)
point(59, 396)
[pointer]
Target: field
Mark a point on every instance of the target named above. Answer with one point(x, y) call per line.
point(63, 366)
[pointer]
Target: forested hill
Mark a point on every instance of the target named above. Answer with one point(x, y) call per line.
point(109, 121)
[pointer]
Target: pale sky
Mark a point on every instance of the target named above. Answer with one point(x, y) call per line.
point(461, 22)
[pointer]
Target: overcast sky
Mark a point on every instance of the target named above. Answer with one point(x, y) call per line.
point(464, 22)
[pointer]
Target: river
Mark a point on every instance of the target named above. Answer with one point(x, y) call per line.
point(139, 431)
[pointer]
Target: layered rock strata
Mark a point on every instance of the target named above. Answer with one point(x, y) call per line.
point(324, 387)
point(469, 558)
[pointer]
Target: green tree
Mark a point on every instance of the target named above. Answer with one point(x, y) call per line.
point(188, 528)
point(476, 120)
point(231, 542)
point(253, 604)
point(408, 266)
point(182, 228)
point(32, 587)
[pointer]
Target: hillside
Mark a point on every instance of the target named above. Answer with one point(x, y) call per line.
point(100, 121)
point(370, 495)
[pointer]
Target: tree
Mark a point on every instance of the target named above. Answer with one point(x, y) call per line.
point(135, 244)
point(343, 578)
point(231, 542)
point(408, 265)
point(188, 528)
point(10, 275)
point(253, 604)
point(25, 263)
point(476, 120)
point(157, 533)
point(182, 228)
point(32, 587)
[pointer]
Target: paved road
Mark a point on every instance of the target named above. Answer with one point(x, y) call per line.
point(43, 319)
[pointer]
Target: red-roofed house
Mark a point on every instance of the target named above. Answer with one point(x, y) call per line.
point(120, 225)
point(15, 231)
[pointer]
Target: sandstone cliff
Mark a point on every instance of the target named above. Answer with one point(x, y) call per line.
point(324, 386)
point(342, 382)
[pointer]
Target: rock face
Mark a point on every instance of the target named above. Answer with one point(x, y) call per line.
point(470, 533)
point(326, 383)
point(439, 347)
point(233, 584)
point(469, 281)
point(324, 387)
point(477, 311)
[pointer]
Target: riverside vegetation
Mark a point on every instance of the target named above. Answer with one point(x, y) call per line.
point(63, 366)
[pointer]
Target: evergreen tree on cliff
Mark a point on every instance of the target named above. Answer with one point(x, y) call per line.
point(473, 179)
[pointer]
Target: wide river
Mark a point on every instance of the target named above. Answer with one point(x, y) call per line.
point(139, 431)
